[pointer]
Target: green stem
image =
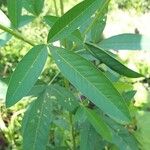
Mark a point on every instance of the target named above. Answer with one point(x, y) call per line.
point(16, 34)
point(53, 78)
point(55, 6)
point(72, 132)
point(61, 7)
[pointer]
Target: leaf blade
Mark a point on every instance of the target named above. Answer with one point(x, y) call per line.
point(36, 123)
point(75, 17)
point(98, 123)
point(26, 74)
point(93, 84)
point(14, 11)
point(65, 98)
point(34, 6)
point(111, 62)
point(126, 42)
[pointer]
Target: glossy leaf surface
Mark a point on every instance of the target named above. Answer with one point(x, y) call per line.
point(92, 83)
point(126, 42)
point(111, 62)
point(74, 18)
point(26, 74)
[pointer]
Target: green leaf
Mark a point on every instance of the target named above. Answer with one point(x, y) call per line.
point(121, 137)
point(74, 18)
point(92, 83)
point(65, 98)
point(26, 74)
point(50, 20)
point(34, 6)
point(36, 90)
point(143, 130)
point(14, 11)
point(98, 123)
point(129, 95)
point(98, 27)
point(111, 62)
point(126, 42)
point(36, 123)
point(90, 139)
point(25, 19)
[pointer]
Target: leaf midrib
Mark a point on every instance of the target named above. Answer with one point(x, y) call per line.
point(113, 59)
point(53, 37)
point(39, 122)
point(26, 73)
point(90, 83)
point(99, 125)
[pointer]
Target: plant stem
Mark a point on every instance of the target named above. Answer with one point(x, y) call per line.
point(72, 132)
point(61, 7)
point(55, 6)
point(16, 34)
point(53, 78)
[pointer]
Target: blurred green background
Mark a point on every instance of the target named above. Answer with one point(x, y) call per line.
point(124, 16)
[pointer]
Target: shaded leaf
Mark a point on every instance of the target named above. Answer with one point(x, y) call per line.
point(98, 123)
point(121, 137)
point(34, 6)
point(50, 20)
point(26, 74)
point(36, 123)
point(111, 62)
point(126, 42)
point(129, 95)
point(36, 90)
point(92, 83)
point(74, 18)
point(89, 139)
point(65, 98)
point(25, 19)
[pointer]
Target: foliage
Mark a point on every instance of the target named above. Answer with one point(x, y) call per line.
point(139, 5)
point(91, 106)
